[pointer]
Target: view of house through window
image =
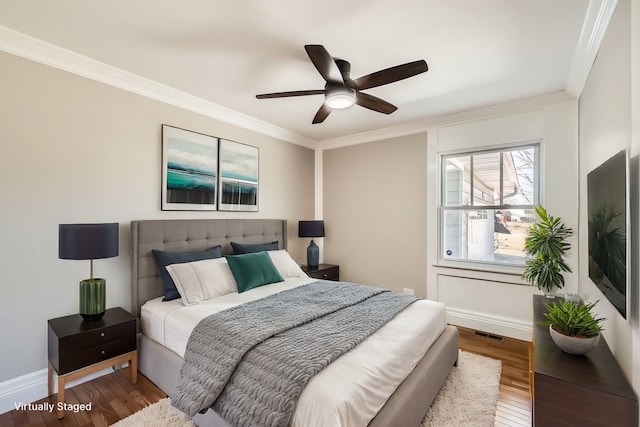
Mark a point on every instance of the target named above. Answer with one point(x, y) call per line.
point(487, 204)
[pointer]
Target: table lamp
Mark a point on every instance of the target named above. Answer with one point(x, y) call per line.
point(89, 241)
point(311, 229)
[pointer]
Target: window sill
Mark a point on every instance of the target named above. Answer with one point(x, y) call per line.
point(507, 274)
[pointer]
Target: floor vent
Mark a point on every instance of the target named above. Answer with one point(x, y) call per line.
point(489, 336)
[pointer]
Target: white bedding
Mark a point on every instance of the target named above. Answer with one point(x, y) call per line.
point(348, 392)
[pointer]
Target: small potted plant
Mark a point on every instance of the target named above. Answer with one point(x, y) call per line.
point(547, 244)
point(572, 326)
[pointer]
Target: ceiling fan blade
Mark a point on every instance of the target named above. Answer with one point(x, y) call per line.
point(374, 103)
point(390, 75)
point(292, 93)
point(322, 114)
point(324, 63)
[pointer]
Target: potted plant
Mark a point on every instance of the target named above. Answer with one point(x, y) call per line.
point(547, 244)
point(572, 326)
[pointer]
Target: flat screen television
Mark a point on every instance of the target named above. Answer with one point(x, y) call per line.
point(608, 229)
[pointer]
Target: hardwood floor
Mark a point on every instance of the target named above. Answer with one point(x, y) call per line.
point(514, 403)
point(115, 398)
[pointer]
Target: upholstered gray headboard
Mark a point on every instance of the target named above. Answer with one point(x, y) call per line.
point(181, 235)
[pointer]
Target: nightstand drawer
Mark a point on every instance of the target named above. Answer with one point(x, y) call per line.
point(332, 273)
point(76, 343)
point(79, 347)
point(81, 359)
point(327, 274)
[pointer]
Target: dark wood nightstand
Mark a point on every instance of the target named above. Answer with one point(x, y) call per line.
point(79, 347)
point(324, 271)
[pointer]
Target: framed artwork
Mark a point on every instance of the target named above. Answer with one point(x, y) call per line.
point(238, 186)
point(189, 170)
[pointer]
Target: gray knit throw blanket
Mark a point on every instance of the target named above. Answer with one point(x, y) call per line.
point(251, 362)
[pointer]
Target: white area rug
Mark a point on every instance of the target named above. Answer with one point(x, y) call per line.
point(160, 414)
point(468, 398)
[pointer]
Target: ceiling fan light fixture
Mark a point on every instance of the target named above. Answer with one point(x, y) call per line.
point(341, 97)
point(341, 91)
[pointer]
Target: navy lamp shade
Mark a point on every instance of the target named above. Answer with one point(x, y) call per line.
point(311, 229)
point(89, 241)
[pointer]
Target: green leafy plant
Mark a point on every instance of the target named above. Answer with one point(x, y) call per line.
point(547, 243)
point(574, 320)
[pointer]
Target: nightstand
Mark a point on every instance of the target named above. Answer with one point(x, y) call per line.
point(324, 271)
point(79, 347)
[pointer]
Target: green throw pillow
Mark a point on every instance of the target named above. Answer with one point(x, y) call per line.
point(253, 270)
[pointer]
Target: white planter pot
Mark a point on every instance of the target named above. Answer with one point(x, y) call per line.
point(573, 345)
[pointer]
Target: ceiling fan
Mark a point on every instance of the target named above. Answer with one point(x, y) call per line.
point(341, 91)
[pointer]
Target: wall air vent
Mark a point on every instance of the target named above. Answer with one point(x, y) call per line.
point(489, 336)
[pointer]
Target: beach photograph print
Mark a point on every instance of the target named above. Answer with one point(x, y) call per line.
point(238, 189)
point(189, 170)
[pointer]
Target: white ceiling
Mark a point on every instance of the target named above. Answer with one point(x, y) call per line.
point(479, 53)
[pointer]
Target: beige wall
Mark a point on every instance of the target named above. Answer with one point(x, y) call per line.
point(375, 212)
point(635, 180)
point(74, 150)
point(606, 128)
point(380, 208)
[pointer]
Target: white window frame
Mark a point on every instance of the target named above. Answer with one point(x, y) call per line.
point(537, 144)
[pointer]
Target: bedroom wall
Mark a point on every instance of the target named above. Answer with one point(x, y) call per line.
point(75, 150)
point(380, 208)
point(498, 300)
point(374, 211)
point(605, 117)
point(635, 152)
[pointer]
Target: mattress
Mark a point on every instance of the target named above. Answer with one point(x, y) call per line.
point(348, 392)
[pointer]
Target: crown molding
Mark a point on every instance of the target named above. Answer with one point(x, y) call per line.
point(598, 16)
point(37, 50)
point(421, 126)
point(599, 13)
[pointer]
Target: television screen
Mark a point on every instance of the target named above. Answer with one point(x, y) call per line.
point(607, 211)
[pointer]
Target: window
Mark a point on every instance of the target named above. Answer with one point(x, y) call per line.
point(487, 204)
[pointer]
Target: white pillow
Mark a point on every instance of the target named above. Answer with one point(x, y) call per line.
point(201, 280)
point(285, 265)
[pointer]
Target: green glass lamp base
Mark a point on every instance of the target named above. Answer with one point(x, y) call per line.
point(92, 298)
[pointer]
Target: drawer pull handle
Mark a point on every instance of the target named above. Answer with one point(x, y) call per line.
point(102, 352)
point(325, 275)
point(101, 334)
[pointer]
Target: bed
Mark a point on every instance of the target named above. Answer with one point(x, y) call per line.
point(160, 353)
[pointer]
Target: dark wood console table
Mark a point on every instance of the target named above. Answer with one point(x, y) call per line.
point(589, 390)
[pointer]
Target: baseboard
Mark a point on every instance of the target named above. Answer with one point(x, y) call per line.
point(504, 326)
point(33, 387)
